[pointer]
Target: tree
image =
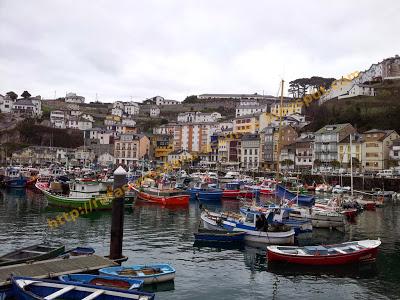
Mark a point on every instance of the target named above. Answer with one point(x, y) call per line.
point(25, 95)
point(335, 164)
point(190, 99)
point(317, 163)
point(12, 95)
point(392, 163)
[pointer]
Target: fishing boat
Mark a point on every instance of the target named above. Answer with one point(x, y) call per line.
point(13, 178)
point(108, 281)
point(224, 236)
point(323, 188)
point(339, 254)
point(302, 200)
point(279, 215)
point(205, 192)
point(268, 187)
point(154, 273)
point(26, 288)
point(233, 190)
point(31, 253)
point(319, 218)
point(278, 235)
point(163, 196)
point(366, 204)
point(84, 195)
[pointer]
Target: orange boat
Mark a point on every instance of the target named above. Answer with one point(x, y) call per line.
point(164, 196)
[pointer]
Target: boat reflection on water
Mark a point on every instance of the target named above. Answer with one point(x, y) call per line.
point(159, 287)
point(362, 270)
point(219, 246)
point(142, 204)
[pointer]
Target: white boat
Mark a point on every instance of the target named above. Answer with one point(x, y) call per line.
point(235, 222)
point(323, 188)
point(320, 218)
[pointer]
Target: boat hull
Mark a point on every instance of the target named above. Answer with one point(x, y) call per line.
point(303, 200)
point(168, 273)
point(364, 255)
point(205, 195)
point(19, 182)
point(164, 200)
point(219, 236)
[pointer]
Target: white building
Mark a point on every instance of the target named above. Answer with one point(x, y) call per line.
point(243, 110)
point(6, 104)
point(87, 117)
point(104, 137)
point(131, 108)
point(79, 123)
point(116, 111)
point(154, 111)
point(75, 112)
point(74, 98)
point(128, 122)
point(105, 159)
point(179, 155)
point(198, 117)
point(58, 119)
point(31, 106)
point(161, 101)
point(119, 104)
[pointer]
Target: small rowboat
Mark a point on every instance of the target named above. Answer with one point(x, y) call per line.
point(148, 273)
point(108, 281)
point(340, 254)
point(225, 236)
point(31, 253)
point(26, 288)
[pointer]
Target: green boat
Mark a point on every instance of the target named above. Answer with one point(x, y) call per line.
point(31, 253)
point(84, 195)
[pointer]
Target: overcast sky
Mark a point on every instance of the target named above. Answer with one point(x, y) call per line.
point(138, 49)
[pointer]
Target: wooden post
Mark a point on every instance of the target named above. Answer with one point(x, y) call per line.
point(117, 221)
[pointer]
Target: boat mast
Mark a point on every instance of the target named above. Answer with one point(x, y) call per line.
point(351, 166)
point(279, 133)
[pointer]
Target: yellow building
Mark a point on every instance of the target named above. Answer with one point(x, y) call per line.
point(288, 108)
point(246, 124)
point(162, 145)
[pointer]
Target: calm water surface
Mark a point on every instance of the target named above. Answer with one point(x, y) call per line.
point(155, 234)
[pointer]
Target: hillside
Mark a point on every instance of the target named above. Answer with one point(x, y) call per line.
point(364, 113)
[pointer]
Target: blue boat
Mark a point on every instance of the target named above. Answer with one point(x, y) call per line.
point(205, 192)
point(148, 273)
point(303, 200)
point(26, 288)
point(14, 179)
point(108, 281)
point(82, 251)
point(219, 236)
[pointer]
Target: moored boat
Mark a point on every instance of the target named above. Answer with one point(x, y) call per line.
point(205, 193)
point(152, 273)
point(279, 235)
point(13, 178)
point(84, 195)
point(31, 253)
point(339, 254)
point(108, 281)
point(26, 288)
point(224, 236)
point(162, 196)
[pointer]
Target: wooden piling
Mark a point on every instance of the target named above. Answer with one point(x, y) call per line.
point(117, 222)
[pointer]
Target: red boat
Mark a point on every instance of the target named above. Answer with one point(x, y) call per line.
point(339, 254)
point(232, 191)
point(164, 197)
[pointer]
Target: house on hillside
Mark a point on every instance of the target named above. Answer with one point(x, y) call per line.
point(74, 98)
point(376, 148)
point(31, 107)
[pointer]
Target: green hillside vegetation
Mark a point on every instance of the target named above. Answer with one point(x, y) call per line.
point(364, 113)
point(33, 134)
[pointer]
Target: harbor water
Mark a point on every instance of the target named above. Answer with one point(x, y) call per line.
point(156, 234)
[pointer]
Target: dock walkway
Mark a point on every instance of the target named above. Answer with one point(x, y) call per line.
point(55, 267)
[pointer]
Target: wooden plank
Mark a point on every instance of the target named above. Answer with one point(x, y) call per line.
point(55, 267)
point(59, 293)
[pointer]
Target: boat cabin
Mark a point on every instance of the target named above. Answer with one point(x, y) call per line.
point(84, 188)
